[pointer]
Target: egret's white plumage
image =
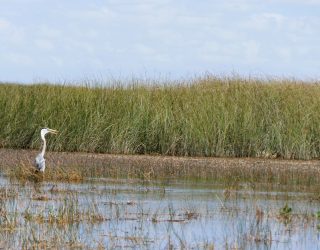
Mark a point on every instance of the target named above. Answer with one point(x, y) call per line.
point(40, 161)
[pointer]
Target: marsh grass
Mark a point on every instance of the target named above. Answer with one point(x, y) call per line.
point(50, 226)
point(8, 216)
point(29, 173)
point(207, 116)
point(68, 212)
point(7, 193)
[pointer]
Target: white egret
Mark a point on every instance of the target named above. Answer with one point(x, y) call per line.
point(40, 161)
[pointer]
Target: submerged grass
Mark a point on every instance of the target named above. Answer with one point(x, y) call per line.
point(208, 116)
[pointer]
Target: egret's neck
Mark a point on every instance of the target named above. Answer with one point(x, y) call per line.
point(44, 145)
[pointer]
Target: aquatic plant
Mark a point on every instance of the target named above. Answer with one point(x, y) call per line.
point(286, 210)
point(285, 214)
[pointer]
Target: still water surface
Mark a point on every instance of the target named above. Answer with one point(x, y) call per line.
point(130, 214)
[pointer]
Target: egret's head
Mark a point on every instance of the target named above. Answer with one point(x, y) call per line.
point(45, 131)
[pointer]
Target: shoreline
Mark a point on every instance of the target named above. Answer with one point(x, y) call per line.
point(231, 170)
point(13, 157)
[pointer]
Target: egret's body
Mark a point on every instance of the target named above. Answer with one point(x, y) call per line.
point(40, 161)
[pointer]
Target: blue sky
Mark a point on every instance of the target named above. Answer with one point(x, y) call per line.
point(76, 39)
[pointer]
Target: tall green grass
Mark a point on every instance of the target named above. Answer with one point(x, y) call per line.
point(208, 116)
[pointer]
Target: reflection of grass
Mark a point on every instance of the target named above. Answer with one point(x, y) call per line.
point(208, 116)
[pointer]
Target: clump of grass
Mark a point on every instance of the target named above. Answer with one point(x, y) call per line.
point(318, 218)
point(7, 193)
point(40, 198)
point(61, 174)
point(190, 215)
point(285, 213)
point(208, 116)
point(8, 216)
point(24, 173)
point(71, 212)
point(29, 173)
point(286, 210)
point(68, 212)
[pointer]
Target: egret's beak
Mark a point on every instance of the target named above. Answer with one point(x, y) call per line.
point(53, 131)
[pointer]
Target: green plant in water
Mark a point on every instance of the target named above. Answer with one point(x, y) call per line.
point(318, 215)
point(286, 210)
point(285, 213)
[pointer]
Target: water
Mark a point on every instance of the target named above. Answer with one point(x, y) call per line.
point(128, 214)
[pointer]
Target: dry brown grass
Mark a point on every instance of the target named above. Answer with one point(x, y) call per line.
point(40, 198)
point(29, 173)
point(76, 167)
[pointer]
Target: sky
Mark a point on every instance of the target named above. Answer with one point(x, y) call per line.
point(75, 39)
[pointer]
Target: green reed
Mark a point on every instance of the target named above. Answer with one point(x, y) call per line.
point(208, 116)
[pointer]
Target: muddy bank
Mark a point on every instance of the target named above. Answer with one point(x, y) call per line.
point(145, 166)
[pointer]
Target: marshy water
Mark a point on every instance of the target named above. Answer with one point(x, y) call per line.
point(109, 213)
